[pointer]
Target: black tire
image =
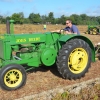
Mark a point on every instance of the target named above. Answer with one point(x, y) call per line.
point(12, 77)
point(67, 52)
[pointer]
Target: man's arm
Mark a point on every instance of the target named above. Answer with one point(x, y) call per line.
point(67, 30)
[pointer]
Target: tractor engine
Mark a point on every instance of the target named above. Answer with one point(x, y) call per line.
point(40, 52)
point(22, 51)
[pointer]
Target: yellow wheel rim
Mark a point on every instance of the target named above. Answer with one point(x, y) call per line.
point(94, 31)
point(13, 78)
point(77, 61)
point(86, 32)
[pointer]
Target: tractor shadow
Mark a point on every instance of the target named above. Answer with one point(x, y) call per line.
point(52, 69)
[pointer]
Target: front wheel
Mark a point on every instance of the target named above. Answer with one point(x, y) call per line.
point(74, 59)
point(12, 77)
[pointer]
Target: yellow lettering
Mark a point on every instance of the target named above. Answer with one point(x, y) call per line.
point(20, 40)
point(37, 39)
point(30, 39)
point(34, 39)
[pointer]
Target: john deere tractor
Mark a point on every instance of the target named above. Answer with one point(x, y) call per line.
point(93, 30)
point(71, 53)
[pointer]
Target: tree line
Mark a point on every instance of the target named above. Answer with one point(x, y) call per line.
point(36, 18)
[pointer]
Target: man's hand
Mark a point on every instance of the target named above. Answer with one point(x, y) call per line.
point(67, 32)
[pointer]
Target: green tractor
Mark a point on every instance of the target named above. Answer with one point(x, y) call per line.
point(93, 30)
point(71, 53)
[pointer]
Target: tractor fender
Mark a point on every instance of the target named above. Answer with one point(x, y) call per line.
point(66, 38)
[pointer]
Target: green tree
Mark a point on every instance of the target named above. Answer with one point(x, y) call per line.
point(26, 21)
point(18, 18)
point(43, 19)
point(98, 19)
point(62, 19)
point(76, 19)
point(57, 20)
point(35, 18)
point(81, 19)
point(51, 18)
point(84, 19)
point(8, 18)
point(2, 19)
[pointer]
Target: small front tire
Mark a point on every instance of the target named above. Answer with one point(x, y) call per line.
point(12, 77)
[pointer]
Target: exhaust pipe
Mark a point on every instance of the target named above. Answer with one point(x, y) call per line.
point(10, 26)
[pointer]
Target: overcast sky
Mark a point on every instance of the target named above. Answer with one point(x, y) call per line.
point(43, 7)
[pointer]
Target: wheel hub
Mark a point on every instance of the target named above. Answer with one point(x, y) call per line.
point(78, 60)
point(13, 78)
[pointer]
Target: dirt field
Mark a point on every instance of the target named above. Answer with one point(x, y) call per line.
point(37, 28)
point(43, 79)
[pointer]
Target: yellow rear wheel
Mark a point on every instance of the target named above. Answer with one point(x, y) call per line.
point(74, 59)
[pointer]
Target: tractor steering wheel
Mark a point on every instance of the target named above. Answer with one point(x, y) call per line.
point(62, 31)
